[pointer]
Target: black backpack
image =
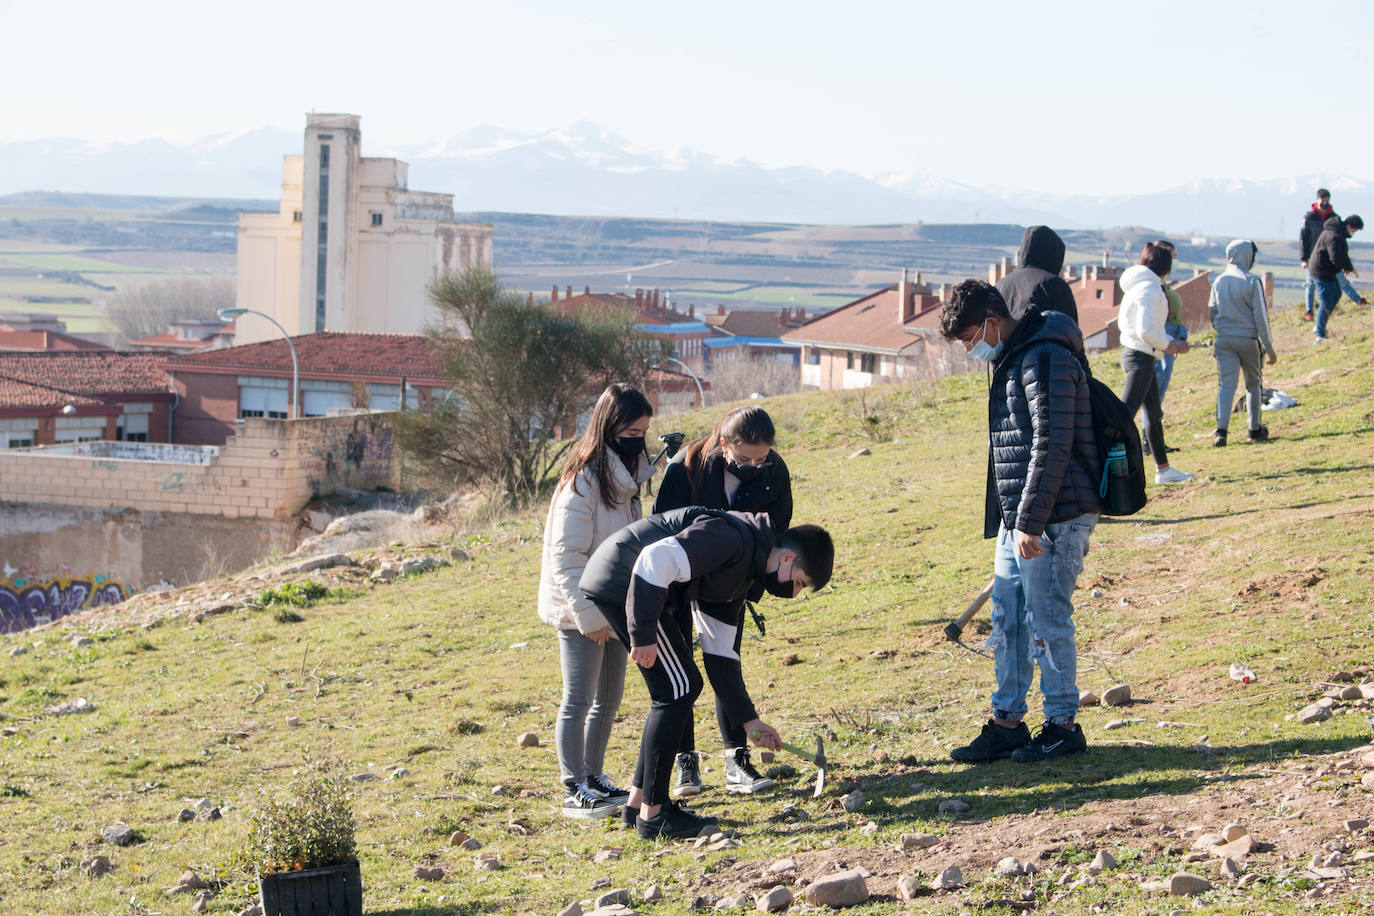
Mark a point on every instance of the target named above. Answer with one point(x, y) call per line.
point(1122, 486)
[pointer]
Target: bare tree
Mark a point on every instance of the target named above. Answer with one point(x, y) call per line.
point(741, 377)
point(147, 307)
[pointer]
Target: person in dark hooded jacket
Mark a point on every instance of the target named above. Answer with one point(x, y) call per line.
point(1329, 261)
point(1042, 504)
point(1035, 283)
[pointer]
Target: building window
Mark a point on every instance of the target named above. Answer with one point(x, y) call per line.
point(322, 244)
point(132, 428)
point(295, 216)
point(1099, 293)
point(13, 441)
point(376, 219)
point(262, 402)
point(813, 356)
point(849, 360)
point(868, 362)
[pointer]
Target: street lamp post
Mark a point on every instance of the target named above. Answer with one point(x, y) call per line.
point(701, 393)
point(231, 314)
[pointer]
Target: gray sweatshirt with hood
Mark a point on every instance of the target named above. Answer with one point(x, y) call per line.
point(1237, 306)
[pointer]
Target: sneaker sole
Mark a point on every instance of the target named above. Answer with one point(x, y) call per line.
point(592, 814)
point(652, 834)
point(1047, 759)
point(685, 791)
point(759, 786)
point(986, 759)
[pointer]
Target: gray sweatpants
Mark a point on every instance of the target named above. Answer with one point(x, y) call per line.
point(593, 683)
point(1235, 355)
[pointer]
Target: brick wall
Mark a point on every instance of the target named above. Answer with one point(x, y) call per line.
point(207, 410)
point(269, 470)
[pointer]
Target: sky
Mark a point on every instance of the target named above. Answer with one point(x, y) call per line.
point(1060, 97)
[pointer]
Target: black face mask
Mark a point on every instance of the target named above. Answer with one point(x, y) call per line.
point(776, 586)
point(745, 472)
point(629, 448)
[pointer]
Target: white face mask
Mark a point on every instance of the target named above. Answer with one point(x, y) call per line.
point(984, 350)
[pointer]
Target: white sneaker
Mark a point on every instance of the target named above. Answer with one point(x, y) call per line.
point(740, 775)
point(1173, 475)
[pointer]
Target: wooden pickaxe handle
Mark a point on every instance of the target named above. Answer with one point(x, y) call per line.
point(956, 629)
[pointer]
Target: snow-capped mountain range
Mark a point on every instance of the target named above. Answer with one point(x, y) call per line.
point(585, 169)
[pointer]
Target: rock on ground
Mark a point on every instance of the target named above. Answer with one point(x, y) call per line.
point(948, 879)
point(620, 895)
point(954, 806)
point(853, 801)
point(918, 840)
point(1117, 695)
point(118, 835)
point(908, 888)
point(425, 873)
point(845, 888)
point(528, 739)
point(777, 898)
point(1009, 867)
point(1314, 713)
point(1184, 884)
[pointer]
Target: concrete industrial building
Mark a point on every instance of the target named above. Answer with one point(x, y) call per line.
point(351, 247)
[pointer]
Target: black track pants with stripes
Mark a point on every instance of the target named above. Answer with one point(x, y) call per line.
point(674, 684)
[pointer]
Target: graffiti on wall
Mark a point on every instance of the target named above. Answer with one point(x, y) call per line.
point(362, 456)
point(25, 603)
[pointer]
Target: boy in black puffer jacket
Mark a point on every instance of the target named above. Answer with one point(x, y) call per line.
point(1041, 504)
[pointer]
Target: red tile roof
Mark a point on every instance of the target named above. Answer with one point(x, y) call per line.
point(869, 323)
point(45, 340)
point(79, 377)
point(753, 323)
point(170, 341)
point(643, 315)
point(327, 353)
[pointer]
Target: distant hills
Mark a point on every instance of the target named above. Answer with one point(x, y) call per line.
point(583, 169)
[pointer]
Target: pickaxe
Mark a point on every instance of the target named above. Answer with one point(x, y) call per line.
point(955, 630)
point(818, 758)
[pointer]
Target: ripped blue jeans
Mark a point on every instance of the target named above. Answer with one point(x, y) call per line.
point(1032, 620)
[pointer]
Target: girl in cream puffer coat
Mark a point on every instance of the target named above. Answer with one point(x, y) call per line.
point(597, 495)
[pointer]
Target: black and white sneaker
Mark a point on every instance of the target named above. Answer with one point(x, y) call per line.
point(1052, 741)
point(579, 802)
point(688, 775)
point(994, 742)
point(602, 787)
point(673, 822)
point(740, 775)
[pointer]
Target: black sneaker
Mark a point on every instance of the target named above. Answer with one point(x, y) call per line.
point(688, 775)
point(1051, 741)
point(602, 787)
point(1219, 437)
point(628, 815)
point(579, 802)
point(1259, 435)
point(994, 742)
point(673, 822)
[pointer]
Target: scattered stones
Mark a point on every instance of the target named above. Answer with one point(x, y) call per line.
point(1103, 861)
point(869, 829)
point(777, 898)
point(1356, 824)
point(619, 896)
point(912, 841)
point(1367, 780)
point(118, 835)
point(860, 453)
point(781, 866)
point(71, 707)
point(1247, 880)
point(386, 571)
point(908, 888)
point(487, 861)
point(528, 739)
point(80, 640)
point(186, 814)
point(458, 555)
point(1120, 723)
point(399, 773)
point(948, 880)
point(1232, 832)
point(1313, 713)
point(954, 806)
point(95, 866)
point(1238, 848)
point(457, 838)
point(428, 873)
point(292, 721)
point(572, 909)
point(1229, 869)
point(599, 883)
point(500, 790)
point(845, 888)
point(1088, 698)
point(190, 879)
point(853, 801)
point(470, 844)
point(652, 894)
point(18, 651)
point(613, 910)
point(1010, 867)
point(1097, 593)
point(1117, 695)
point(607, 854)
point(724, 843)
point(363, 777)
point(1367, 761)
point(1186, 884)
point(202, 902)
point(737, 902)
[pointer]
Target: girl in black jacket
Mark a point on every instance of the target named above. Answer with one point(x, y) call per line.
point(736, 468)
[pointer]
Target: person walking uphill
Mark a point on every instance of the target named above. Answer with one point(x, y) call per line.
point(1241, 319)
point(597, 495)
point(1330, 259)
point(734, 467)
point(711, 558)
point(1042, 506)
point(1141, 318)
point(1035, 283)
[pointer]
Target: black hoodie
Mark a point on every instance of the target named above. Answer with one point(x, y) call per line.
point(1331, 254)
point(1035, 283)
point(1312, 228)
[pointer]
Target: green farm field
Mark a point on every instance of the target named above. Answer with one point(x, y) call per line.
point(1266, 560)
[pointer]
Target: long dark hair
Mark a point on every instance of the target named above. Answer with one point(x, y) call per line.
point(742, 425)
point(618, 407)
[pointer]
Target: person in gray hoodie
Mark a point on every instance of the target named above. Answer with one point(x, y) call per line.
point(1241, 319)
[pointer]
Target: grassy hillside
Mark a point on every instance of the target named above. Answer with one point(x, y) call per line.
point(1266, 559)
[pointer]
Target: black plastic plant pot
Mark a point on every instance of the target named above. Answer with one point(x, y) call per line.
point(335, 890)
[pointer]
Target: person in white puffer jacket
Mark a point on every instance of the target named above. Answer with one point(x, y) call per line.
point(1144, 310)
point(597, 495)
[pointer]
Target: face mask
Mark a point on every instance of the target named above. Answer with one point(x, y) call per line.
point(745, 472)
point(776, 586)
point(628, 448)
point(984, 350)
